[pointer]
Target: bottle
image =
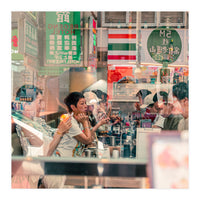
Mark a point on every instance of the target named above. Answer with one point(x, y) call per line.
point(64, 117)
point(127, 149)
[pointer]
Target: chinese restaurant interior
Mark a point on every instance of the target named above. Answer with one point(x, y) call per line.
point(100, 99)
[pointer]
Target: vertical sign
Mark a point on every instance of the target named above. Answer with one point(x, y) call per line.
point(63, 38)
point(94, 35)
point(92, 60)
point(31, 41)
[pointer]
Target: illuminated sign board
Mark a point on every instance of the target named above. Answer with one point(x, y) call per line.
point(63, 38)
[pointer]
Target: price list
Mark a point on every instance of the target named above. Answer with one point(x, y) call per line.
point(63, 38)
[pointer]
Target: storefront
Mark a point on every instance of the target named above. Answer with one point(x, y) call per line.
point(130, 67)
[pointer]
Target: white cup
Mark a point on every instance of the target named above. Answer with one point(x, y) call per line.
point(115, 153)
point(106, 153)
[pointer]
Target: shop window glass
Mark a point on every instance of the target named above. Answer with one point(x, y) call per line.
point(173, 17)
point(148, 17)
point(132, 17)
point(115, 17)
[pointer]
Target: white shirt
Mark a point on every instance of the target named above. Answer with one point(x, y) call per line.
point(183, 124)
point(159, 121)
point(69, 146)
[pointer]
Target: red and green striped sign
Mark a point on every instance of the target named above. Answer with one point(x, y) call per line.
point(121, 46)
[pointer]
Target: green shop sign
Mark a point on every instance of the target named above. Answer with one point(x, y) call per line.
point(164, 45)
point(63, 38)
point(31, 40)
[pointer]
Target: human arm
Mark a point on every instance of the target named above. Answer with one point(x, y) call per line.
point(100, 123)
point(86, 136)
point(166, 110)
point(32, 138)
point(63, 128)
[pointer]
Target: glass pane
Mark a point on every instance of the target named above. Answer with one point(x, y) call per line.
point(115, 17)
point(148, 17)
point(79, 91)
point(171, 17)
point(132, 18)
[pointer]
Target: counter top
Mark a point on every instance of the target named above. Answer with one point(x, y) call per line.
point(78, 166)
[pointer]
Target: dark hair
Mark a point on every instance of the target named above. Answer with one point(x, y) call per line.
point(72, 99)
point(143, 93)
point(180, 90)
point(161, 93)
point(28, 91)
point(101, 95)
point(175, 90)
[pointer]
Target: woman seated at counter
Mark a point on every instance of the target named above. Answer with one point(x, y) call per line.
point(81, 133)
point(73, 143)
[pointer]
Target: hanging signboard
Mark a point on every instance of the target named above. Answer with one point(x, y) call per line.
point(92, 36)
point(164, 45)
point(31, 39)
point(63, 38)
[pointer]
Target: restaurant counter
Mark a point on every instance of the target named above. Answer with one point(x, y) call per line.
point(78, 166)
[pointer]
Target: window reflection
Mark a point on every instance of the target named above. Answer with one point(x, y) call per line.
point(58, 53)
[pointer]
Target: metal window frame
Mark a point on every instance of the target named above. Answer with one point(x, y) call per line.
point(173, 24)
point(104, 24)
point(127, 21)
point(150, 24)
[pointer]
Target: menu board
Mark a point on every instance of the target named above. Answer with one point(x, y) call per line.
point(63, 38)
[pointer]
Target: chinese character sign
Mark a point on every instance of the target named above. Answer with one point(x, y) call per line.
point(63, 38)
point(31, 41)
point(164, 45)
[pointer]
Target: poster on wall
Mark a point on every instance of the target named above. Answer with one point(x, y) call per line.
point(63, 38)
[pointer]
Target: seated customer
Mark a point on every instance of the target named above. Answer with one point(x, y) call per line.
point(81, 133)
point(151, 107)
point(170, 115)
point(141, 94)
point(94, 110)
point(92, 104)
point(73, 143)
point(32, 109)
point(182, 95)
